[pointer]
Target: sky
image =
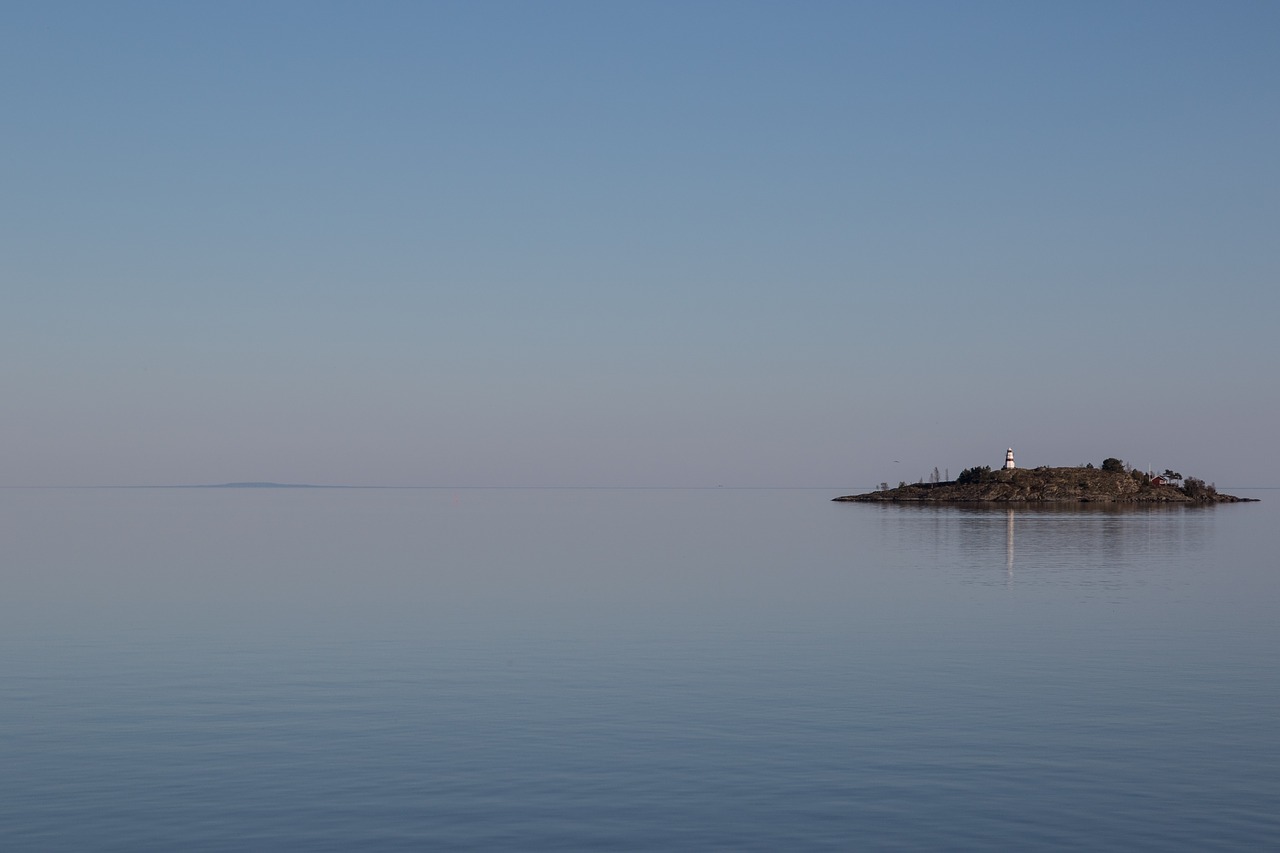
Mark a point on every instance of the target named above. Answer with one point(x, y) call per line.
point(636, 244)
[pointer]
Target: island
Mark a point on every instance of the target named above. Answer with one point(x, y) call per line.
point(1114, 482)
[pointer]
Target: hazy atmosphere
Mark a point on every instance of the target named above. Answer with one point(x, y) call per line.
point(649, 244)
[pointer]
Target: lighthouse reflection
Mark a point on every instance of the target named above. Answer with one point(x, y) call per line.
point(1008, 546)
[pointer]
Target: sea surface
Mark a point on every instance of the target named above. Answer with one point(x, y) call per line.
point(594, 669)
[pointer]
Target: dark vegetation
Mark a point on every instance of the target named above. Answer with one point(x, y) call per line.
point(1113, 482)
point(975, 475)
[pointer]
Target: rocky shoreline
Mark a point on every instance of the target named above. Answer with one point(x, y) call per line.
point(1051, 485)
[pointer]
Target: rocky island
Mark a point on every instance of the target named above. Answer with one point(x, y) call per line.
point(1114, 482)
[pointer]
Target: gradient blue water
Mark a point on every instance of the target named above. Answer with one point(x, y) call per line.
point(631, 670)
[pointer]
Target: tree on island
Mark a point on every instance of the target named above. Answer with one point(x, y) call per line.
point(1198, 489)
point(974, 475)
point(1113, 464)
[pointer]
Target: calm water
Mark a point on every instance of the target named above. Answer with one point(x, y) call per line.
point(636, 670)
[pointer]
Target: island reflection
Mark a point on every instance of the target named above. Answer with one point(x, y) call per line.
point(1116, 544)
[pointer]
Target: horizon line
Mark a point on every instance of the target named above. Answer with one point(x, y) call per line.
point(272, 485)
point(267, 485)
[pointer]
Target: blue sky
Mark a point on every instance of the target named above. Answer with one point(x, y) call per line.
point(589, 243)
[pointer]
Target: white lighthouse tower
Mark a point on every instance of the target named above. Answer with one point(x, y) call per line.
point(1008, 460)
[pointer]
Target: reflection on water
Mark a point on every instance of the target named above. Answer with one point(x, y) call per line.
point(1008, 548)
point(1111, 545)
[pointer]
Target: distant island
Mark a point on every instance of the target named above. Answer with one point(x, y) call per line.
point(261, 486)
point(1114, 482)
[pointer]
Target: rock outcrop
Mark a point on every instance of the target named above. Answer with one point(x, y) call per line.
point(1052, 485)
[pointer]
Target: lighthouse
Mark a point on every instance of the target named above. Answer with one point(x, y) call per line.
point(1008, 460)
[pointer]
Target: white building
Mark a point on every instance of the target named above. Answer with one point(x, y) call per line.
point(1008, 460)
